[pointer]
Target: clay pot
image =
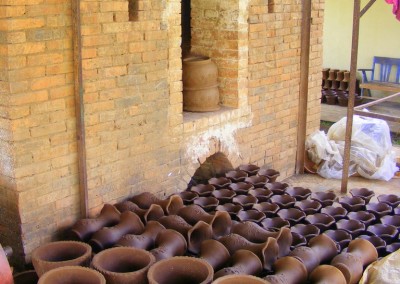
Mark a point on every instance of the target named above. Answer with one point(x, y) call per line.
point(297, 241)
point(220, 222)
point(246, 201)
point(62, 253)
point(341, 237)
point(363, 192)
point(219, 182)
point(269, 209)
point(283, 201)
point(277, 187)
point(393, 220)
point(232, 209)
point(267, 252)
point(200, 84)
point(292, 215)
point(208, 203)
point(378, 243)
point(352, 203)
point(325, 274)
point(363, 216)
point(299, 193)
point(251, 215)
point(188, 196)
point(262, 194)
point(379, 209)
point(106, 237)
point(343, 100)
point(154, 212)
point(26, 277)
point(385, 232)
point(321, 220)
point(389, 249)
point(308, 231)
point(391, 199)
point(353, 227)
point(224, 195)
point(288, 270)
point(250, 169)
point(326, 198)
point(241, 187)
point(122, 265)
point(257, 181)
point(240, 279)
point(396, 210)
point(72, 274)
point(215, 253)
point(271, 174)
point(171, 205)
point(331, 99)
point(84, 228)
point(194, 235)
point(169, 243)
point(275, 223)
point(325, 73)
point(363, 249)
point(308, 206)
point(337, 213)
point(242, 262)
point(203, 190)
point(184, 270)
point(144, 241)
point(236, 175)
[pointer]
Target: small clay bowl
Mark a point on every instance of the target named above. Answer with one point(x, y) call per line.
point(352, 203)
point(363, 216)
point(362, 192)
point(277, 187)
point(392, 199)
point(250, 169)
point(393, 220)
point(379, 209)
point(256, 181)
point(232, 209)
point(269, 209)
point(321, 220)
point(306, 230)
point(337, 212)
point(219, 182)
point(308, 206)
point(284, 201)
point(392, 247)
point(262, 194)
point(241, 187)
point(224, 195)
point(236, 175)
point(292, 215)
point(385, 232)
point(188, 196)
point(203, 189)
point(298, 192)
point(378, 243)
point(353, 227)
point(341, 237)
point(208, 203)
point(274, 224)
point(271, 174)
point(297, 241)
point(251, 215)
point(326, 198)
point(246, 201)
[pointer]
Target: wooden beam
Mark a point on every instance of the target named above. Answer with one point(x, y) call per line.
point(350, 108)
point(366, 8)
point(79, 107)
point(303, 93)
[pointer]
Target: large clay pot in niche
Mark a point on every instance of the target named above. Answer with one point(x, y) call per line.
point(72, 274)
point(123, 265)
point(145, 240)
point(181, 269)
point(200, 84)
point(242, 262)
point(61, 253)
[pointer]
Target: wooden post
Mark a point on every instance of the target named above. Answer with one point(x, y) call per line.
point(79, 107)
point(350, 108)
point(303, 92)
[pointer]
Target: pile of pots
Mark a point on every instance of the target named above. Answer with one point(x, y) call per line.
point(241, 228)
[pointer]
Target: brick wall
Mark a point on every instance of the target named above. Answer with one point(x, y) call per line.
point(137, 137)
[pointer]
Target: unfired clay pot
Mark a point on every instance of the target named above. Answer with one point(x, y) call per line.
point(262, 194)
point(123, 265)
point(251, 215)
point(379, 209)
point(215, 253)
point(208, 203)
point(246, 201)
point(241, 187)
point(240, 279)
point(378, 243)
point(72, 274)
point(171, 205)
point(288, 270)
point(224, 195)
point(326, 198)
point(250, 169)
point(169, 243)
point(146, 240)
point(363, 216)
point(277, 187)
point(292, 215)
point(308, 206)
point(257, 181)
point(154, 212)
point(392, 199)
point(268, 208)
point(220, 182)
point(106, 237)
point(242, 262)
point(341, 237)
point(393, 220)
point(232, 209)
point(236, 175)
point(284, 201)
point(62, 253)
point(306, 230)
point(297, 240)
point(353, 227)
point(321, 220)
point(326, 274)
point(275, 223)
point(298, 192)
point(203, 189)
point(337, 212)
point(354, 203)
point(386, 232)
point(183, 270)
point(271, 174)
point(363, 192)
point(84, 228)
point(188, 196)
